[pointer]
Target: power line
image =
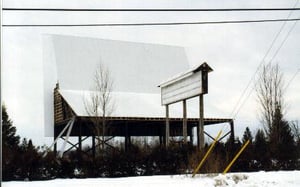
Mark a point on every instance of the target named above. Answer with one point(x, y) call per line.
point(290, 81)
point(151, 9)
point(260, 64)
point(150, 23)
point(273, 57)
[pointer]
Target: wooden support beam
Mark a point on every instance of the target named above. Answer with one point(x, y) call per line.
point(93, 147)
point(200, 134)
point(160, 140)
point(184, 124)
point(83, 139)
point(70, 123)
point(232, 131)
point(207, 153)
point(55, 146)
point(79, 143)
point(191, 136)
point(79, 139)
point(62, 149)
point(167, 129)
point(224, 135)
point(70, 149)
point(108, 139)
point(209, 135)
point(236, 157)
point(73, 145)
point(127, 138)
point(214, 138)
point(127, 142)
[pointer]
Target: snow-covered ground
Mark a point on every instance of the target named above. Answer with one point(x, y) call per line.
point(280, 178)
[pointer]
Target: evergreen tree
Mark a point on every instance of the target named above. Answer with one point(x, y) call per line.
point(270, 93)
point(281, 140)
point(247, 135)
point(9, 137)
point(10, 147)
point(261, 152)
point(29, 162)
point(296, 133)
point(245, 160)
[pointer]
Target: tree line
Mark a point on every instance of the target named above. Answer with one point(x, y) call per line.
point(276, 146)
point(24, 161)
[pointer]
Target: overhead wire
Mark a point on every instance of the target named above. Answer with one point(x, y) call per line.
point(234, 115)
point(249, 94)
point(273, 57)
point(293, 77)
point(174, 23)
point(237, 106)
point(150, 9)
point(150, 23)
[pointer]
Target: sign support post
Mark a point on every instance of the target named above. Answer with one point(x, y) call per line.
point(200, 134)
point(184, 125)
point(186, 85)
point(167, 132)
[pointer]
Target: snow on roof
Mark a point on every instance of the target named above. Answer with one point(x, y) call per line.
point(127, 104)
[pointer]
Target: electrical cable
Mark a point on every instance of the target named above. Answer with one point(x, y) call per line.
point(151, 9)
point(260, 64)
point(150, 23)
point(275, 54)
point(290, 81)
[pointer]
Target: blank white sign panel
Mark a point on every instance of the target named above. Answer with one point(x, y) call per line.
point(183, 89)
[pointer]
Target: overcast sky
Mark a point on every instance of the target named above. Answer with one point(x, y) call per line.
point(234, 51)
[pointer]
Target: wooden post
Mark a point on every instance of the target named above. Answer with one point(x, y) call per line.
point(55, 146)
point(207, 153)
point(200, 134)
point(184, 125)
point(236, 157)
point(93, 146)
point(160, 140)
point(79, 143)
point(79, 139)
point(127, 138)
point(127, 142)
point(191, 136)
point(232, 131)
point(167, 133)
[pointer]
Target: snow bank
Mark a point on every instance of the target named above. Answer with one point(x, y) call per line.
point(265, 179)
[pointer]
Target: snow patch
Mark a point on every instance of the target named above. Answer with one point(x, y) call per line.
point(251, 179)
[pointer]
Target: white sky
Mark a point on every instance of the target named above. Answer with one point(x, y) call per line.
point(234, 51)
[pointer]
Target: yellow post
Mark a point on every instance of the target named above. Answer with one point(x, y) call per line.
point(236, 156)
point(207, 153)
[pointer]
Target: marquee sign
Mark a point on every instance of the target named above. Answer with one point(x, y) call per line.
point(186, 85)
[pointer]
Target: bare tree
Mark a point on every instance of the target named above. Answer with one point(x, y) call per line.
point(99, 103)
point(295, 127)
point(281, 141)
point(270, 94)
